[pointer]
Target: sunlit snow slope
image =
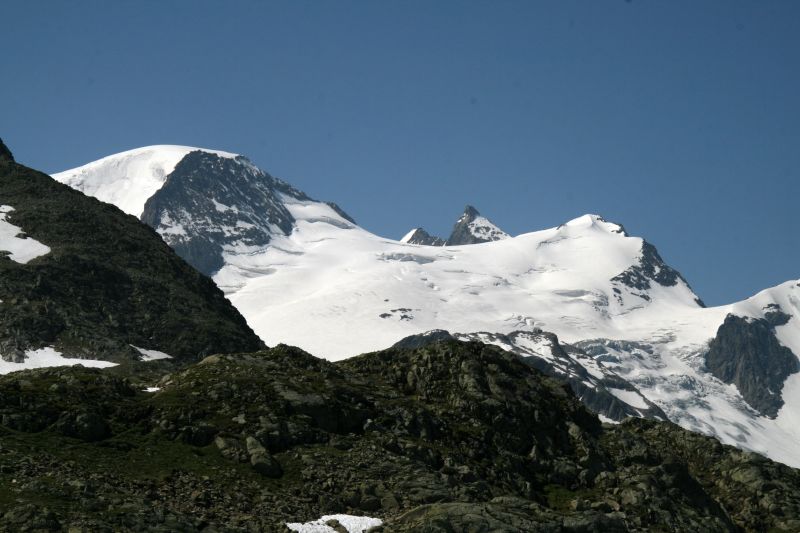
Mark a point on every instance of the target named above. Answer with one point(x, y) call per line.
point(337, 290)
point(359, 292)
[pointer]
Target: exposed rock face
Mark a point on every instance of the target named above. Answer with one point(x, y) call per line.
point(448, 437)
point(651, 269)
point(747, 354)
point(209, 202)
point(472, 228)
point(420, 236)
point(5, 153)
point(595, 391)
point(107, 282)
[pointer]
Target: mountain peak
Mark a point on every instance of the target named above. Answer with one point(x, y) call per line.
point(129, 178)
point(212, 201)
point(473, 228)
point(470, 212)
point(590, 220)
point(5, 153)
point(420, 236)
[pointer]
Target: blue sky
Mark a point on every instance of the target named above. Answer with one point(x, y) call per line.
point(679, 119)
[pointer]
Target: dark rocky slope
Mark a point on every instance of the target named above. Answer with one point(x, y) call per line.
point(447, 437)
point(109, 281)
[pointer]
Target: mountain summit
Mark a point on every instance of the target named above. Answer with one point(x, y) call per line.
point(473, 228)
point(206, 204)
point(470, 228)
point(211, 205)
point(128, 179)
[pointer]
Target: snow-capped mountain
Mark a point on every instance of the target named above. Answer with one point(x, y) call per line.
point(81, 282)
point(206, 204)
point(470, 228)
point(624, 324)
point(129, 178)
point(420, 236)
point(473, 228)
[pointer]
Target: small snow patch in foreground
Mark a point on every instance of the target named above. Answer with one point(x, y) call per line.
point(152, 389)
point(48, 357)
point(151, 355)
point(607, 420)
point(353, 524)
point(20, 249)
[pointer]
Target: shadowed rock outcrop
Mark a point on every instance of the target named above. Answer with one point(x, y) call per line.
point(746, 353)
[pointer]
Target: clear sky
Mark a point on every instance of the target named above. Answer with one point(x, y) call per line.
point(678, 119)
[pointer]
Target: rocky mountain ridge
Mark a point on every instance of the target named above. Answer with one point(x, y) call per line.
point(210, 203)
point(470, 228)
point(420, 236)
point(204, 203)
point(102, 286)
point(450, 436)
point(473, 228)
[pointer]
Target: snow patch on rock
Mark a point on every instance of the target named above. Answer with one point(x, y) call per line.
point(151, 355)
point(13, 240)
point(49, 357)
point(353, 524)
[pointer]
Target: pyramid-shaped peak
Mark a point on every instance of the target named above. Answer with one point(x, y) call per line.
point(470, 212)
point(473, 228)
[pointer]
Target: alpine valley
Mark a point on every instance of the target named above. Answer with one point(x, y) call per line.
point(566, 379)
